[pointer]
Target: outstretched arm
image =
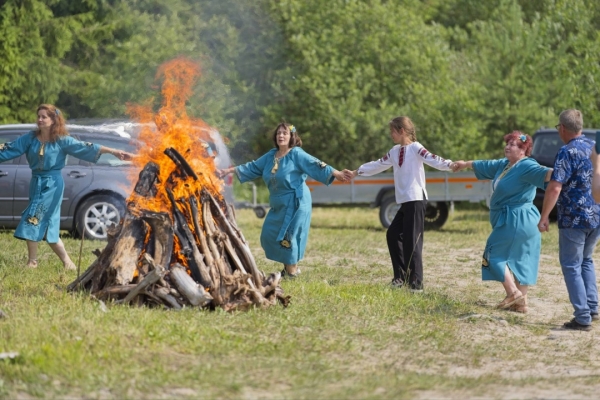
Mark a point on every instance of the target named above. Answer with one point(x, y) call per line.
point(460, 165)
point(120, 154)
point(433, 160)
point(342, 176)
point(221, 173)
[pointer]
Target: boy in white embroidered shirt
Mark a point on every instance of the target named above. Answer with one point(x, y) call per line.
point(405, 234)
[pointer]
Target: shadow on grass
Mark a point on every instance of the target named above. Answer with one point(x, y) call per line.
point(347, 227)
point(465, 231)
point(62, 234)
point(479, 216)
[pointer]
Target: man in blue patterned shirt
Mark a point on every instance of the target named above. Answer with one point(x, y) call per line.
point(578, 218)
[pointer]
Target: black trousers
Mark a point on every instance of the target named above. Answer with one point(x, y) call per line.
point(405, 242)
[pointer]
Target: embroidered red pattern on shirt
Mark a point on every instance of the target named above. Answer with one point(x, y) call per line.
point(385, 158)
point(425, 153)
point(401, 156)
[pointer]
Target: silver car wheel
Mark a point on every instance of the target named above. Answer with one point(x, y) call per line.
point(391, 212)
point(98, 217)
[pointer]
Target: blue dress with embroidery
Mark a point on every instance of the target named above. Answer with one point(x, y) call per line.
point(41, 218)
point(285, 230)
point(515, 240)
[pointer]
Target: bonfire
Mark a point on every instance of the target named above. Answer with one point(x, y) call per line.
point(178, 243)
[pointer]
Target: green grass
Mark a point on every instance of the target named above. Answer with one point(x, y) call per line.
point(345, 335)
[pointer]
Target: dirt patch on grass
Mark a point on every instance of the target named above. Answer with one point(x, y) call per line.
point(545, 350)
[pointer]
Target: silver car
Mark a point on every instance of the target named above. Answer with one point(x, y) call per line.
point(94, 196)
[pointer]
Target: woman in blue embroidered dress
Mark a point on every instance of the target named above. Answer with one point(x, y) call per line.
point(515, 242)
point(285, 169)
point(46, 150)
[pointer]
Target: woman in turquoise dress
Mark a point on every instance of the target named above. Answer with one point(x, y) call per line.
point(515, 242)
point(46, 150)
point(285, 169)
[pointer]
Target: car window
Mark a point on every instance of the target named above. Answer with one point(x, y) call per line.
point(9, 137)
point(109, 159)
point(547, 146)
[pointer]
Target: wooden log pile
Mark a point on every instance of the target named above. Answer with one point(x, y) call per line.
point(194, 255)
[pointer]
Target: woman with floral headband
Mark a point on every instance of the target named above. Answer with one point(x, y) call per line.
point(514, 244)
point(46, 150)
point(285, 169)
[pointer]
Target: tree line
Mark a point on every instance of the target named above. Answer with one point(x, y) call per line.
point(466, 71)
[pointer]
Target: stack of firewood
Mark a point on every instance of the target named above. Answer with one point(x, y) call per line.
point(192, 255)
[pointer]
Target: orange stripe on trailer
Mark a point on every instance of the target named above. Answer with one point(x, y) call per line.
point(391, 181)
point(369, 182)
point(451, 180)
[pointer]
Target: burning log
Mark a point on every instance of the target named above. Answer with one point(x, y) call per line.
point(187, 253)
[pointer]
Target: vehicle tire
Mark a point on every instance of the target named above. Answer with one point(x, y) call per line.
point(96, 214)
point(388, 210)
point(436, 213)
point(260, 211)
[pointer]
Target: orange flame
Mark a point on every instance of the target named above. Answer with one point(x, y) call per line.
point(172, 127)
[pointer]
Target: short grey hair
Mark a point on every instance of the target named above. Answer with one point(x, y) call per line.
point(572, 120)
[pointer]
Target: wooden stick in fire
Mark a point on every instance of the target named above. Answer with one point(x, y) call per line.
point(160, 224)
point(245, 251)
point(208, 258)
point(152, 277)
point(196, 262)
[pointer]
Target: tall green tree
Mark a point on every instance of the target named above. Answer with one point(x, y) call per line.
point(32, 44)
point(353, 65)
point(527, 72)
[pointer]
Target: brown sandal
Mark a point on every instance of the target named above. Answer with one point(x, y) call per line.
point(520, 305)
point(509, 300)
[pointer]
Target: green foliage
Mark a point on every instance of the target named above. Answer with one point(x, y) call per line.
point(373, 68)
point(527, 73)
point(467, 72)
point(32, 43)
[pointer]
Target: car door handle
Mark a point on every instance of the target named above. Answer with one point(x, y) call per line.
point(2, 173)
point(76, 174)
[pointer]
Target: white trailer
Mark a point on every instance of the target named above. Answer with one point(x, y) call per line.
point(443, 188)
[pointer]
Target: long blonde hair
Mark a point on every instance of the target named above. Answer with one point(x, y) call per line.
point(406, 124)
point(58, 128)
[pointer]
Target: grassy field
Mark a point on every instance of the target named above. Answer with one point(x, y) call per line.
point(345, 335)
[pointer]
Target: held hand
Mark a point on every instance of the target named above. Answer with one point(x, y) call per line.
point(348, 174)
point(544, 224)
point(123, 155)
point(458, 166)
point(221, 173)
point(340, 176)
